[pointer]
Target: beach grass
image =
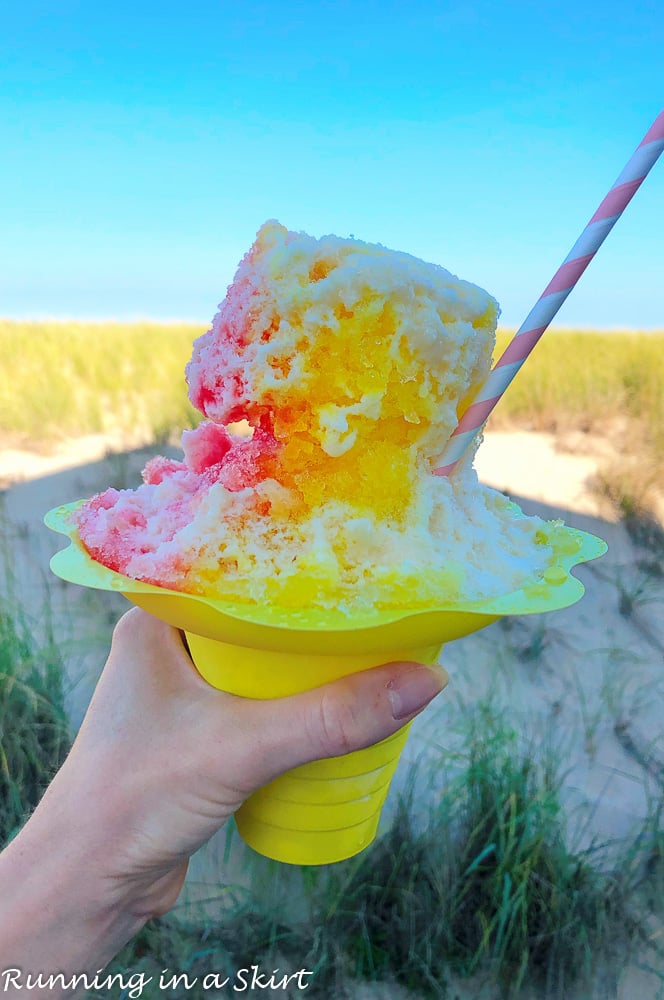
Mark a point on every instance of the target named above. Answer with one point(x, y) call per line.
point(65, 379)
point(34, 729)
point(492, 887)
point(587, 380)
point(61, 380)
point(489, 893)
point(598, 385)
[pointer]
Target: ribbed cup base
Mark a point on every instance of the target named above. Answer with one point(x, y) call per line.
point(327, 810)
point(324, 811)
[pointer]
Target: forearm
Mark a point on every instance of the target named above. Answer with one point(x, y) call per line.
point(59, 911)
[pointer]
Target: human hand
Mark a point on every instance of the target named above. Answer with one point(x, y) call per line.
point(178, 758)
point(161, 761)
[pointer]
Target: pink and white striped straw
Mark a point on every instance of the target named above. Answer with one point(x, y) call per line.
point(554, 295)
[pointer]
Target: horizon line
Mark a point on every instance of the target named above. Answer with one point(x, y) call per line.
point(189, 321)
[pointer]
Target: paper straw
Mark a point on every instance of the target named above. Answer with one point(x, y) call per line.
point(554, 294)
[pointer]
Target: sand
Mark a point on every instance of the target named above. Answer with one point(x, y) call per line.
point(521, 462)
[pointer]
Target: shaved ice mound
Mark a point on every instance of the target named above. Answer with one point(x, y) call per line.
point(351, 365)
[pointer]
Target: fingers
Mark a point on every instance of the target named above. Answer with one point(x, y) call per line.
point(257, 740)
point(335, 719)
point(147, 652)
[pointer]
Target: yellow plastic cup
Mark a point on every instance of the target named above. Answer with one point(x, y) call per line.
point(327, 810)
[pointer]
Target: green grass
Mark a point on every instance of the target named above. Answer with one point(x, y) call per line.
point(62, 379)
point(605, 384)
point(492, 887)
point(34, 736)
point(587, 380)
point(490, 892)
point(65, 379)
point(246, 934)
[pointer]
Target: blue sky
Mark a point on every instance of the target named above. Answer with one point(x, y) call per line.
point(142, 145)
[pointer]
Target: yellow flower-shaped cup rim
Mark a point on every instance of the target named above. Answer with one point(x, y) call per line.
point(304, 630)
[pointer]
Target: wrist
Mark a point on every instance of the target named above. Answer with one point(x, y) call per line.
point(65, 904)
point(110, 823)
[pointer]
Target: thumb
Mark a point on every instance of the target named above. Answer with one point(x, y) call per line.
point(337, 718)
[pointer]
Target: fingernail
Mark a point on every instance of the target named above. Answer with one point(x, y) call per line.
point(414, 688)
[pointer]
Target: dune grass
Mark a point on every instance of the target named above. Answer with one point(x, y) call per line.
point(493, 887)
point(64, 379)
point(34, 730)
point(586, 380)
point(61, 380)
point(608, 385)
point(490, 893)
